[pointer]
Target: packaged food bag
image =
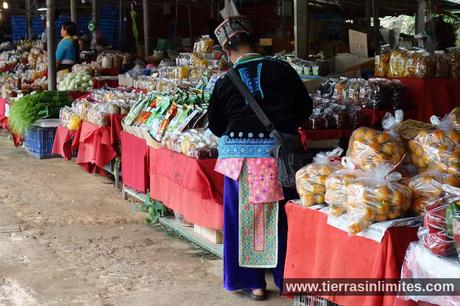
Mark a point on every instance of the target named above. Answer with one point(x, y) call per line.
point(398, 61)
point(425, 66)
point(311, 179)
point(369, 148)
point(438, 223)
point(376, 197)
point(454, 116)
point(427, 189)
point(337, 184)
point(437, 149)
point(411, 64)
point(382, 61)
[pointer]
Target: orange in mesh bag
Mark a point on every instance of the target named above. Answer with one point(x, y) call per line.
point(438, 149)
point(427, 188)
point(311, 179)
point(336, 187)
point(376, 197)
point(370, 148)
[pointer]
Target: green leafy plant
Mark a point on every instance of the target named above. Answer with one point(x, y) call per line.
point(154, 209)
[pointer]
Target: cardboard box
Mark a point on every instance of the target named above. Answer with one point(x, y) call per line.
point(212, 235)
point(150, 141)
point(126, 81)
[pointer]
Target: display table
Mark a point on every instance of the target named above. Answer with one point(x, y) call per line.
point(432, 96)
point(63, 142)
point(95, 148)
point(188, 186)
point(134, 162)
point(317, 250)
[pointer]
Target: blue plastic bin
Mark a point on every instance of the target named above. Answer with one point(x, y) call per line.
point(38, 141)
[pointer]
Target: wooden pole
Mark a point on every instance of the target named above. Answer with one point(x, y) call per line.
point(51, 42)
point(420, 19)
point(300, 28)
point(375, 14)
point(73, 11)
point(146, 27)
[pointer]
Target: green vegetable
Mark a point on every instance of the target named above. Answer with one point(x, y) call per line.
point(452, 212)
point(40, 105)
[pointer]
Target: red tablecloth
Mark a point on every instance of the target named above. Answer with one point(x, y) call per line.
point(188, 186)
point(95, 148)
point(432, 96)
point(134, 162)
point(318, 250)
point(2, 108)
point(116, 128)
point(63, 142)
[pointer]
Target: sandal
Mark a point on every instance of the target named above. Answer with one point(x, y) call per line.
point(250, 294)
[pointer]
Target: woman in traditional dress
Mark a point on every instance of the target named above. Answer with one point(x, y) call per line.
point(255, 226)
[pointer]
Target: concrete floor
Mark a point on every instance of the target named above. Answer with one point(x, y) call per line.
point(67, 238)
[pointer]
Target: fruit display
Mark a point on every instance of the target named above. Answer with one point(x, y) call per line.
point(311, 179)
point(337, 184)
point(428, 188)
point(81, 81)
point(369, 148)
point(376, 197)
point(438, 221)
point(437, 149)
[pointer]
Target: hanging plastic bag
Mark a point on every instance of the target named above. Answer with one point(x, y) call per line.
point(370, 148)
point(376, 197)
point(438, 149)
point(311, 179)
point(427, 189)
point(336, 187)
point(438, 223)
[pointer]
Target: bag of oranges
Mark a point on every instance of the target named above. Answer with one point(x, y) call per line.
point(336, 187)
point(427, 188)
point(438, 149)
point(369, 148)
point(311, 179)
point(376, 197)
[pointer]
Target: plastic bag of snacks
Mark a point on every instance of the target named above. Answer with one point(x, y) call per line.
point(438, 221)
point(398, 95)
point(398, 61)
point(453, 57)
point(411, 64)
point(427, 188)
point(437, 149)
point(454, 116)
point(376, 197)
point(337, 184)
point(425, 66)
point(382, 61)
point(442, 65)
point(311, 179)
point(369, 148)
point(379, 94)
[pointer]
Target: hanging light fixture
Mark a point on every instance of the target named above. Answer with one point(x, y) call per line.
point(5, 5)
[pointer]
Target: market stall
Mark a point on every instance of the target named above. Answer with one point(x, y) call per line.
point(318, 250)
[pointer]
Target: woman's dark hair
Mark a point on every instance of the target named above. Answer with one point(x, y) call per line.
point(241, 40)
point(70, 28)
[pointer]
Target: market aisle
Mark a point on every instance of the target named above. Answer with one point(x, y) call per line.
point(82, 245)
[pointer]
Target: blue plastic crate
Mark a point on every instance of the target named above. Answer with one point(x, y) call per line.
point(39, 141)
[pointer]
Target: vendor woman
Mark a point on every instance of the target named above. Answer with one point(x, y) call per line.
point(67, 49)
point(255, 226)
